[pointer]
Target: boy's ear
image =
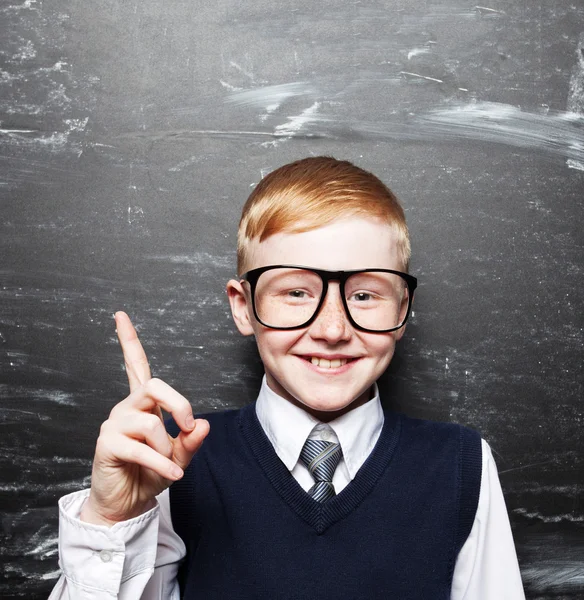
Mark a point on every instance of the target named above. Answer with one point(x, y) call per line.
point(240, 307)
point(399, 333)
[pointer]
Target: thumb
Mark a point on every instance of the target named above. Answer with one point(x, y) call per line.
point(186, 444)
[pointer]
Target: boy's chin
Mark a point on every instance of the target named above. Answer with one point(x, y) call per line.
point(329, 410)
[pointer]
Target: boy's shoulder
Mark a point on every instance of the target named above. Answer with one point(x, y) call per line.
point(444, 447)
point(428, 426)
point(419, 429)
point(436, 445)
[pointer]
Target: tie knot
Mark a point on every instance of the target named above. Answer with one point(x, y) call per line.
point(321, 459)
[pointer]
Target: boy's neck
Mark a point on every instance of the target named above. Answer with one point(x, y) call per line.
point(325, 416)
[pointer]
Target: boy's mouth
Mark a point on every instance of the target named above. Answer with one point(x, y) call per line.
point(325, 363)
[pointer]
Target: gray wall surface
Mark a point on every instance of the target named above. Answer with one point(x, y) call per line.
point(131, 134)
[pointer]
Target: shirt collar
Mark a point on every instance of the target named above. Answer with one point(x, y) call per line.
point(287, 427)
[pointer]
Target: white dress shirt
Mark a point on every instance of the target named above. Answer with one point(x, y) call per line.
point(138, 559)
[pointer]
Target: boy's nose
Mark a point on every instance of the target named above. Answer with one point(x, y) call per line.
point(331, 323)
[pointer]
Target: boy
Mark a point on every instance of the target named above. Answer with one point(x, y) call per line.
point(311, 492)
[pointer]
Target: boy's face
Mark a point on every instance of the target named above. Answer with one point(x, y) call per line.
point(346, 244)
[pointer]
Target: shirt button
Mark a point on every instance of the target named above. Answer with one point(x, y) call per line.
point(106, 556)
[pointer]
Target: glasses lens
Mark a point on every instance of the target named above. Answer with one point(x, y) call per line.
point(286, 297)
point(376, 300)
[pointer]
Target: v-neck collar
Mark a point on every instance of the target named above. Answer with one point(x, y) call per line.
point(287, 426)
point(320, 515)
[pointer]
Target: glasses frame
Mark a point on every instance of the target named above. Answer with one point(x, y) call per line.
point(341, 276)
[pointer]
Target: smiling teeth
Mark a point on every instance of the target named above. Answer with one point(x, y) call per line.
point(328, 364)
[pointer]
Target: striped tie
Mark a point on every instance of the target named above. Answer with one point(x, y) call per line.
point(321, 459)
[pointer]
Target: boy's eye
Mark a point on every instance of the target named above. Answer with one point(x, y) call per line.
point(361, 296)
point(297, 293)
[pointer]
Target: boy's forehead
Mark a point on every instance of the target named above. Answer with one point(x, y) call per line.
point(351, 243)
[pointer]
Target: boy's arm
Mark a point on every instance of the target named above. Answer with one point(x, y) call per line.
point(134, 559)
point(109, 535)
point(135, 459)
point(487, 568)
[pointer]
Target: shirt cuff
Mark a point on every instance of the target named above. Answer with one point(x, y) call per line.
point(94, 557)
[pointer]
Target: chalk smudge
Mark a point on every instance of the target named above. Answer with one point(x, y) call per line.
point(38, 394)
point(417, 51)
point(549, 518)
point(485, 10)
point(557, 574)
point(45, 546)
point(59, 488)
point(297, 122)
point(558, 133)
point(435, 15)
point(417, 76)
point(187, 162)
point(268, 96)
point(576, 96)
point(555, 132)
point(197, 258)
point(38, 86)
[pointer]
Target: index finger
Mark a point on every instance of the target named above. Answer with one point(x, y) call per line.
point(137, 367)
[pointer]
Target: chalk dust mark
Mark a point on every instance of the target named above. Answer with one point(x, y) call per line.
point(485, 10)
point(228, 86)
point(136, 215)
point(270, 98)
point(417, 51)
point(9, 131)
point(44, 548)
point(241, 69)
point(271, 95)
point(576, 95)
point(53, 488)
point(185, 163)
point(557, 133)
point(26, 5)
point(547, 462)
point(549, 518)
point(197, 258)
point(37, 80)
point(187, 134)
point(556, 574)
point(38, 394)
point(296, 123)
point(416, 76)
point(437, 13)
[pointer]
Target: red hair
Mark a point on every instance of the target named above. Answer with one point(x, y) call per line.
point(312, 193)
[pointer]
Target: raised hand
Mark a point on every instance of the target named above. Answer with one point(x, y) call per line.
point(135, 459)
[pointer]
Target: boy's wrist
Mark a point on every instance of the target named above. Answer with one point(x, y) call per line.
point(88, 514)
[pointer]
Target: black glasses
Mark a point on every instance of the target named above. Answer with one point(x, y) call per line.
point(289, 296)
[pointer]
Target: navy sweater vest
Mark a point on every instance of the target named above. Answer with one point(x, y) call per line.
point(394, 532)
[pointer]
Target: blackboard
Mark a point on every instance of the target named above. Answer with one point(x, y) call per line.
point(131, 133)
